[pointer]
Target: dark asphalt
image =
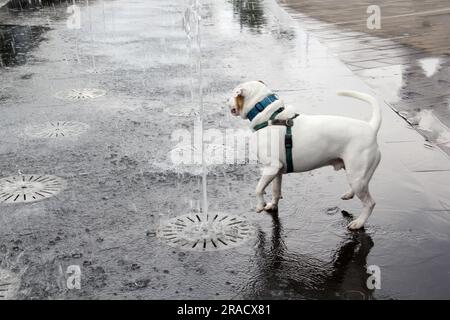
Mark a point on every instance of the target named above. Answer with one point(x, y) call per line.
point(120, 183)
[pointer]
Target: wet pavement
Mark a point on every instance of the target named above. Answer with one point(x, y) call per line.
point(120, 183)
point(406, 60)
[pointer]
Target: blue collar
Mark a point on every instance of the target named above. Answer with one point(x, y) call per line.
point(260, 106)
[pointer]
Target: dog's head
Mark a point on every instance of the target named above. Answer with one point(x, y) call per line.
point(245, 96)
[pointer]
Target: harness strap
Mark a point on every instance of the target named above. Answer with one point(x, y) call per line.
point(288, 123)
point(288, 146)
point(271, 120)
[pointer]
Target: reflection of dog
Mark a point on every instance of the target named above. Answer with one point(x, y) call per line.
point(317, 141)
point(290, 275)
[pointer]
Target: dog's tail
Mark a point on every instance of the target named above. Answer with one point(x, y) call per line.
point(375, 121)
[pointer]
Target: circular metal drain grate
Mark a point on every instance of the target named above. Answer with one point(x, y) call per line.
point(29, 188)
point(80, 94)
point(198, 232)
point(56, 129)
point(9, 284)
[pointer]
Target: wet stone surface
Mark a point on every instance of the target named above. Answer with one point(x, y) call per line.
point(121, 186)
point(9, 284)
point(406, 60)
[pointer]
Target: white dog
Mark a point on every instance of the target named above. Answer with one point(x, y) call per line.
point(317, 141)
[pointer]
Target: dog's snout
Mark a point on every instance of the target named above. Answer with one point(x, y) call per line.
point(232, 107)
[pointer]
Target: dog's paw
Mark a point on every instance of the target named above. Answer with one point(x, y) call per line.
point(356, 224)
point(260, 208)
point(348, 195)
point(271, 207)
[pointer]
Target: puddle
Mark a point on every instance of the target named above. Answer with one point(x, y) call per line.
point(280, 273)
point(419, 92)
point(404, 61)
point(32, 5)
point(16, 42)
point(250, 14)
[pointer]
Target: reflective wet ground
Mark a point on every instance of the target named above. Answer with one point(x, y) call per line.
point(121, 184)
point(406, 59)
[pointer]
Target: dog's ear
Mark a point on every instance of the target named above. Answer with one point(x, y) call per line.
point(238, 92)
point(239, 98)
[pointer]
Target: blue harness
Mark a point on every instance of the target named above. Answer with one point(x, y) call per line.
point(260, 106)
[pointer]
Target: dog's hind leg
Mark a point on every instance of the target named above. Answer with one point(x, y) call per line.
point(368, 204)
point(276, 193)
point(348, 195)
point(359, 174)
point(339, 164)
point(268, 175)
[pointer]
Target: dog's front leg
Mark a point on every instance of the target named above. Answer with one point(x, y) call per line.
point(269, 173)
point(276, 193)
